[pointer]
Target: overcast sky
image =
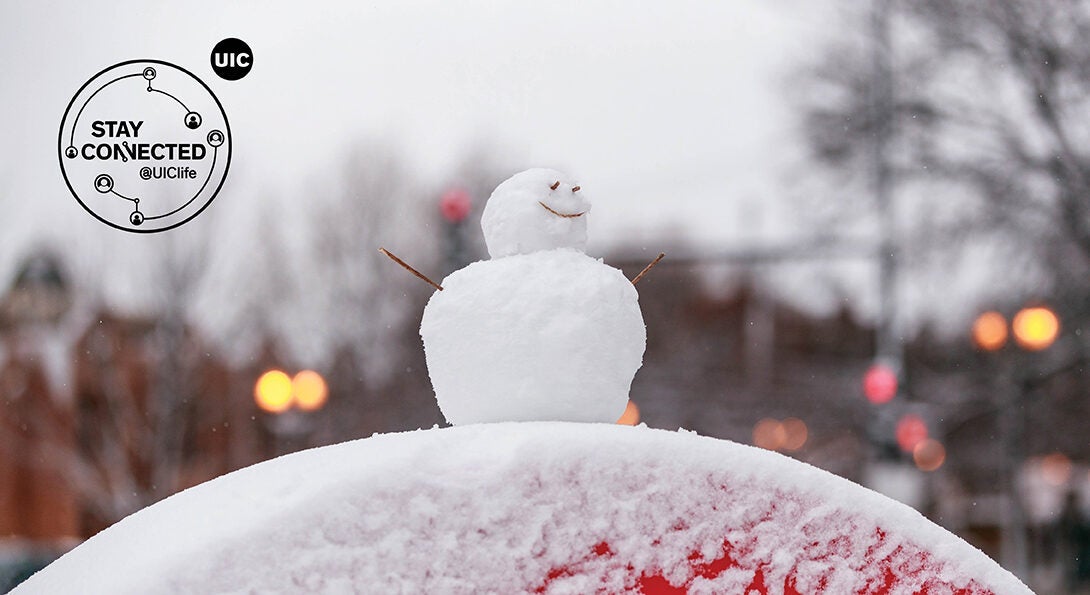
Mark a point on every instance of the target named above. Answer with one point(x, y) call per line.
point(672, 114)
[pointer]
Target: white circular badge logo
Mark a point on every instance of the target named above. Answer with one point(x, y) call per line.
point(144, 146)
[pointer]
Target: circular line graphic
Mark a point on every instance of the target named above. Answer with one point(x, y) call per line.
point(144, 156)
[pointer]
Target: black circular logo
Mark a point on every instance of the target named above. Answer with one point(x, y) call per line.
point(144, 146)
point(232, 59)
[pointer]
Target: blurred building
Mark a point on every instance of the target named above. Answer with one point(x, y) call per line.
point(102, 414)
point(139, 432)
point(35, 414)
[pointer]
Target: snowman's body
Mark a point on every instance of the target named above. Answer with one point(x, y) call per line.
point(541, 331)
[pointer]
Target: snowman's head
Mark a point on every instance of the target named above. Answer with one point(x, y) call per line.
point(538, 209)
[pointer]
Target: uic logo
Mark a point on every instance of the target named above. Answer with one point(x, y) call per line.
point(232, 59)
point(144, 146)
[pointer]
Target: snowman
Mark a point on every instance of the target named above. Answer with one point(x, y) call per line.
point(540, 331)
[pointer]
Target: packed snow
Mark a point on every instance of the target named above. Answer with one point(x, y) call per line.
point(546, 507)
point(541, 331)
point(552, 335)
point(526, 214)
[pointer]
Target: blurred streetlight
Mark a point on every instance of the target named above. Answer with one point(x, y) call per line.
point(1035, 328)
point(769, 434)
point(272, 391)
point(795, 434)
point(287, 398)
point(929, 454)
point(276, 392)
point(990, 331)
point(787, 435)
point(309, 390)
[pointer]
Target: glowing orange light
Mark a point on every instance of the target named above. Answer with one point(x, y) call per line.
point(911, 430)
point(1056, 469)
point(631, 415)
point(990, 331)
point(310, 390)
point(769, 434)
point(795, 434)
point(929, 454)
point(1036, 328)
point(272, 392)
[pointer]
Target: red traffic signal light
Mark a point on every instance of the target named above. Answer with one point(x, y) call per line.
point(455, 205)
point(911, 430)
point(880, 384)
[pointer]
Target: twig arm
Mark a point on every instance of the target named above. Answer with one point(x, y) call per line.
point(647, 268)
point(410, 269)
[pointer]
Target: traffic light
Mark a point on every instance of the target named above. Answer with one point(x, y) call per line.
point(455, 205)
point(911, 430)
point(880, 384)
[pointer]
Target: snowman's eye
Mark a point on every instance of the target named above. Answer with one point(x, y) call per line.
point(555, 185)
point(576, 188)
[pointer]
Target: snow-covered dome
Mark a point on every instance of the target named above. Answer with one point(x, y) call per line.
point(538, 209)
point(527, 507)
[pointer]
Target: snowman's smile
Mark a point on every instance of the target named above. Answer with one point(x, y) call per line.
point(558, 213)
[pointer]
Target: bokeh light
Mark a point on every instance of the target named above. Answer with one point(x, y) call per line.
point(880, 384)
point(911, 430)
point(929, 454)
point(631, 415)
point(1036, 328)
point(769, 434)
point(309, 389)
point(795, 434)
point(1056, 469)
point(455, 205)
point(990, 331)
point(272, 392)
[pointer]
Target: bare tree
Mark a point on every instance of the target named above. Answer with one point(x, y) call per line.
point(988, 142)
point(365, 309)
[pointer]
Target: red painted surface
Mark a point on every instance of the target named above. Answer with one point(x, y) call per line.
point(895, 567)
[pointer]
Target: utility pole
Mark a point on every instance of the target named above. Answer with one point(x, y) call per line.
point(889, 348)
point(1014, 553)
point(880, 460)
